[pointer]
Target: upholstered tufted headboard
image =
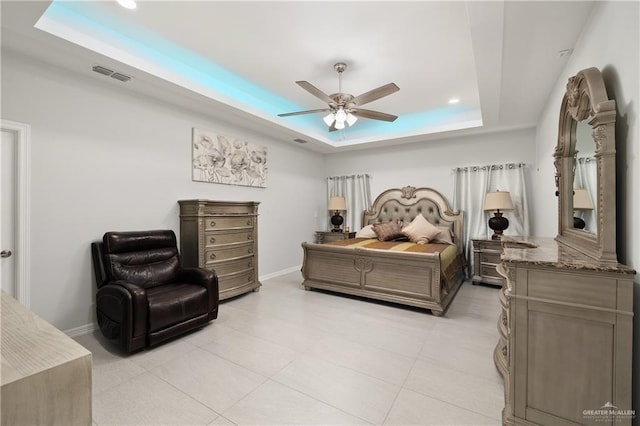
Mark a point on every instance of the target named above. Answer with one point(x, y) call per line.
point(406, 203)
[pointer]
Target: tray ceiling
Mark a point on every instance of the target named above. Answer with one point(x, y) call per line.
point(239, 61)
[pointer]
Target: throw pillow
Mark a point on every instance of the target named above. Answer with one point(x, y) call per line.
point(420, 231)
point(444, 236)
point(387, 231)
point(366, 232)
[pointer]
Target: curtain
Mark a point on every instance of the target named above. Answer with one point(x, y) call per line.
point(586, 177)
point(356, 190)
point(471, 184)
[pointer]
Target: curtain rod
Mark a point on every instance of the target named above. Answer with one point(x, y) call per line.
point(585, 159)
point(349, 176)
point(489, 167)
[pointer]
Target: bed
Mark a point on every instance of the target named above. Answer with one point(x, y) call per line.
point(423, 275)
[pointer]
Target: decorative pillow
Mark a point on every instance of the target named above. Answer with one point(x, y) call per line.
point(387, 231)
point(366, 232)
point(444, 236)
point(420, 231)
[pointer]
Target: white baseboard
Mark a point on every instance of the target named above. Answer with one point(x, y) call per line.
point(82, 330)
point(90, 328)
point(280, 273)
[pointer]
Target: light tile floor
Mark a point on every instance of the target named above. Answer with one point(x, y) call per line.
point(284, 355)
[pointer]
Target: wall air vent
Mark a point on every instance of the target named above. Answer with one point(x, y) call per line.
point(121, 77)
point(102, 70)
point(111, 73)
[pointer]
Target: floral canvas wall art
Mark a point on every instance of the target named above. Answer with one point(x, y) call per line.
point(224, 159)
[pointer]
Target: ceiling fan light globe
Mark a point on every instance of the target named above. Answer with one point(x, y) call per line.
point(339, 125)
point(329, 119)
point(341, 116)
point(351, 119)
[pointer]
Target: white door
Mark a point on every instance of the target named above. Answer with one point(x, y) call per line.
point(7, 211)
point(15, 209)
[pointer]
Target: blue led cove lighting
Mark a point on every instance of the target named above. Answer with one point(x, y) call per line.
point(111, 35)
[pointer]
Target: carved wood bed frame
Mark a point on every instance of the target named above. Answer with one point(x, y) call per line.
point(396, 276)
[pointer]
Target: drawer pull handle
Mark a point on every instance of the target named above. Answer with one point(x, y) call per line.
point(504, 350)
point(248, 236)
point(248, 278)
point(212, 256)
point(212, 240)
point(213, 223)
point(250, 264)
point(248, 222)
point(250, 250)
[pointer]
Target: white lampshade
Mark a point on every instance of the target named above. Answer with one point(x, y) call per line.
point(329, 119)
point(339, 119)
point(337, 203)
point(581, 200)
point(499, 200)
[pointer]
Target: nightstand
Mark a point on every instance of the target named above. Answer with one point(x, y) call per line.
point(328, 236)
point(486, 256)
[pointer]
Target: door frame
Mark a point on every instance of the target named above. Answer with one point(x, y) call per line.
point(22, 133)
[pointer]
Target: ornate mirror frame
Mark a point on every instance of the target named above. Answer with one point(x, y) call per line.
point(586, 99)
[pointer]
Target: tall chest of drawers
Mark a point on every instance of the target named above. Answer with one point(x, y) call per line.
point(223, 236)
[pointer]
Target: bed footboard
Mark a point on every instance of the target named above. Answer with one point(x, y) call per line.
point(401, 277)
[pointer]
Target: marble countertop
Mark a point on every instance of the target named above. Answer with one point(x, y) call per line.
point(548, 252)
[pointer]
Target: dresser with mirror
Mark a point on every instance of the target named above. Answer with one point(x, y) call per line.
point(566, 320)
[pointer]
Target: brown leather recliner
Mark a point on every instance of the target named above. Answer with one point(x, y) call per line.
point(144, 295)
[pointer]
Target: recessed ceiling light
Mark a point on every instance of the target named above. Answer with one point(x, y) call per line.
point(454, 100)
point(128, 4)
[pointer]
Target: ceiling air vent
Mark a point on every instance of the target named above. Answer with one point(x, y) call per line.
point(300, 140)
point(102, 70)
point(121, 77)
point(565, 52)
point(111, 73)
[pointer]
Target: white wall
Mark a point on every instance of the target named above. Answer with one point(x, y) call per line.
point(104, 158)
point(609, 42)
point(430, 163)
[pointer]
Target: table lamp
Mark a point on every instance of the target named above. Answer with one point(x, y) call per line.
point(337, 204)
point(499, 200)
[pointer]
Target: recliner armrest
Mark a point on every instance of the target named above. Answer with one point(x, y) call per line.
point(197, 276)
point(204, 277)
point(137, 300)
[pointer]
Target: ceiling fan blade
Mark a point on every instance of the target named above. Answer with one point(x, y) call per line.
point(315, 91)
point(311, 111)
point(374, 115)
point(375, 94)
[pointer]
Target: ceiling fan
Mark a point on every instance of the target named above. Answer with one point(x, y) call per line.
point(344, 108)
